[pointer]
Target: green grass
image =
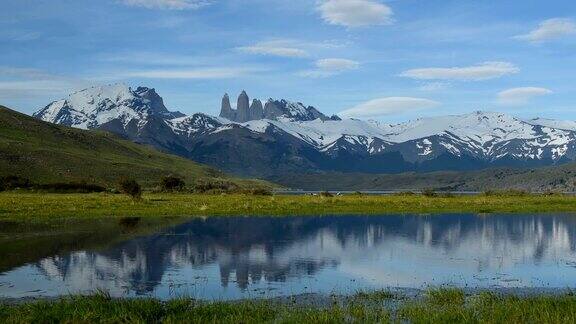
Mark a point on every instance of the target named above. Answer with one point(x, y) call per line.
point(441, 306)
point(452, 306)
point(102, 309)
point(26, 206)
point(48, 153)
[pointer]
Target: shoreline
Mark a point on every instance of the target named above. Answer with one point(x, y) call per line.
point(383, 306)
point(44, 207)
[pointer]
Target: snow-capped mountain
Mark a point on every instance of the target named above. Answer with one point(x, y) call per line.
point(98, 106)
point(282, 136)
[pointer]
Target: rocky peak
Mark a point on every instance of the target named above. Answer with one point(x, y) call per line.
point(152, 99)
point(226, 110)
point(256, 110)
point(242, 107)
point(273, 109)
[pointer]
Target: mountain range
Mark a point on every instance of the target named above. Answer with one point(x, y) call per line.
point(283, 137)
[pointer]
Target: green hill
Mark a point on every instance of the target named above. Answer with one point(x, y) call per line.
point(553, 178)
point(48, 153)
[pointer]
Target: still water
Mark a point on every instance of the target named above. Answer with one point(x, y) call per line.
point(244, 257)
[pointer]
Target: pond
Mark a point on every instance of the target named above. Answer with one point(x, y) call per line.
point(249, 257)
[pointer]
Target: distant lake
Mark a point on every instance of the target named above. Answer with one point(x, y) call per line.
point(244, 257)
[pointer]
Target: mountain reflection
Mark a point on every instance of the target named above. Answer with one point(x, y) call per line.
point(269, 249)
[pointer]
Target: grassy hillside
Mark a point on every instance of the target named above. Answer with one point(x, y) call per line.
point(561, 178)
point(47, 153)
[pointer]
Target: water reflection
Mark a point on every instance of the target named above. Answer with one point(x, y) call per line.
point(244, 257)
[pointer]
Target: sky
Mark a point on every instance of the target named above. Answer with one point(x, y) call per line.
point(373, 59)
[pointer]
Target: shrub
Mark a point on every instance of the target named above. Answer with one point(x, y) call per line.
point(326, 194)
point(215, 186)
point(429, 193)
point(14, 182)
point(552, 193)
point(76, 187)
point(130, 187)
point(259, 192)
point(172, 183)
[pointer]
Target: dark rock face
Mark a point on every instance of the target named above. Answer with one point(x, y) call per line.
point(242, 107)
point(256, 110)
point(226, 110)
point(273, 109)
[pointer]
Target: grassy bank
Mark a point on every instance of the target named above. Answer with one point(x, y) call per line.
point(437, 306)
point(43, 207)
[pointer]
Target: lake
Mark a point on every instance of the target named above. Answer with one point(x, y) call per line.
point(247, 257)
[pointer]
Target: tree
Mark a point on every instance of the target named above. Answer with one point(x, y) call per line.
point(172, 183)
point(130, 187)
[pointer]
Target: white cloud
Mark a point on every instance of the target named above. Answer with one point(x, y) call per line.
point(483, 71)
point(336, 64)
point(550, 29)
point(329, 67)
point(168, 4)
point(520, 96)
point(434, 86)
point(293, 48)
point(281, 48)
point(355, 13)
point(201, 73)
point(388, 105)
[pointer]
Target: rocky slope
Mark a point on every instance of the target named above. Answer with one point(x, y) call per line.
point(281, 137)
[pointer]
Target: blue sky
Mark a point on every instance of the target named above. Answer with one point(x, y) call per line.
point(388, 60)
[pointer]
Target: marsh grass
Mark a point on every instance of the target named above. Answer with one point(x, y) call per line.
point(443, 305)
point(43, 207)
point(445, 296)
point(377, 295)
point(451, 306)
point(103, 309)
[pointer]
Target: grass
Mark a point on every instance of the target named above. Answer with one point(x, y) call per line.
point(453, 306)
point(103, 309)
point(38, 207)
point(439, 306)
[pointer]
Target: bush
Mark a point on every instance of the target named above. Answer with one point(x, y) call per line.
point(326, 194)
point(76, 187)
point(429, 193)
point(130, 187)
point(259, 192)
point(14, 182)
point(215, 186)
point(172, 183)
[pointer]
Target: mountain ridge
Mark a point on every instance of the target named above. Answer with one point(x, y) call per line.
point(282, 136)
